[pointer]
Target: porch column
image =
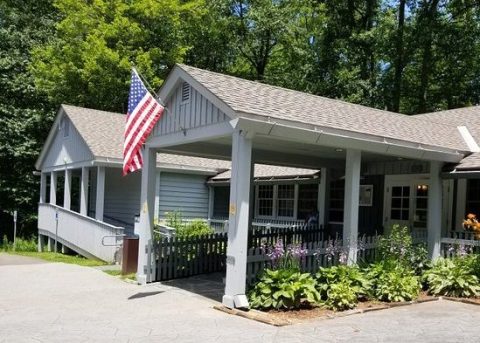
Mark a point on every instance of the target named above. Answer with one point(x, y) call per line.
point(100, 198)
point(144, 228)
point(322, 192)
point(53, 188)
point(156, 210)
point(352, 194)
point(239, 209)
point(211, 197)
point(84, 192)
point(43, 187)
point(434, 220)
point(67, 199)
point(461, 203)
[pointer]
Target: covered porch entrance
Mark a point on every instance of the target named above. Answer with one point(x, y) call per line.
point(203, 121)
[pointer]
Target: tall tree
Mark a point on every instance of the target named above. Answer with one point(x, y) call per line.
point(25, 116)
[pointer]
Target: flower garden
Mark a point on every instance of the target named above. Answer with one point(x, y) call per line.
point(400, 272)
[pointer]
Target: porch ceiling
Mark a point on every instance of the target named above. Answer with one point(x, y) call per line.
point(275, 151)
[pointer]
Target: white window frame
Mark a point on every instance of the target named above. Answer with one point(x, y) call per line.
point(275, 202)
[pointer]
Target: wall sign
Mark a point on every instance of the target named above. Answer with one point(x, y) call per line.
point(366, 195)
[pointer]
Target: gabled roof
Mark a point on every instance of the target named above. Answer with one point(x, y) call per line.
point(258, 100)
point(468, 117)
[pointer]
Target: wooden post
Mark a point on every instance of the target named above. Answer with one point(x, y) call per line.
point(351, 206)
point(238, 221)
point(43, 187)
point(84, 192)
point(67, 199)
point(100, 197)
point(434, 220)
point(53, 188)
point(144, 229)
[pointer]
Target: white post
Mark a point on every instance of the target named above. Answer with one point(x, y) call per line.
point(53, 188)
point(434, 220)
point(211, 196)
point(100, 198)
point(156, 210)
point(43, 187)
point(144, 228)
point(322, 192)
point(67, 199)
point(352, 194)
point(461, 203)
point(84, 192)
point(238, 221)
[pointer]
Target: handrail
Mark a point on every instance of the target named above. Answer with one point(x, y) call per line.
point(96, 221)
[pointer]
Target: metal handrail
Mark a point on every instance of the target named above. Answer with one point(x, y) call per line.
point(112, 236)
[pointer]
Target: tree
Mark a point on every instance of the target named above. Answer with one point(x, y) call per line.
point(25, 115)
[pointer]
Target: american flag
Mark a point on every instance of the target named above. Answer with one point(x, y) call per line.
point(143, 113)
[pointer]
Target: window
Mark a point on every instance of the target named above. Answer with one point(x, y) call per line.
point(286, 200)
point(421, 206)
point(400, 208)
point(265, 200)
point(473, 196)
point(307, 200)
point(221, 198)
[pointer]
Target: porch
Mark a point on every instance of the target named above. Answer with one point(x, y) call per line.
point(208, 119)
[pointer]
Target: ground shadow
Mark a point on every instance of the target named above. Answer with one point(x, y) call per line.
point(207, 285)
point(144, 295)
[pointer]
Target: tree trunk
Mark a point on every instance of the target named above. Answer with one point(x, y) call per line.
point(399, 62)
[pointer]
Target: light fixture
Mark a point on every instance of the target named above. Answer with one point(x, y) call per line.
point(338, 150)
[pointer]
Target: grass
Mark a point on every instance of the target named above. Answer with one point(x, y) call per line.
point(117, 272)
point(57, 257)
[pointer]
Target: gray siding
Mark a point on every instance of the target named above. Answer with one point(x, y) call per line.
point(70, 149)
point(185, 193)
point(195, 112)
point(122, 196)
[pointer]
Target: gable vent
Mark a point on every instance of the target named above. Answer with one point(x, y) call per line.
point(185, 91)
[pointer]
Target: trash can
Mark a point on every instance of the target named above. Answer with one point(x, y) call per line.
point(130, 255)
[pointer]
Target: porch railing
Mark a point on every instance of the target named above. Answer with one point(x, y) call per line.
point(80, 233)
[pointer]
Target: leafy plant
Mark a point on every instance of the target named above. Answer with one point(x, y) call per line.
point(284, 289)
point(174, 219)
point(21, 245)
point(452, 277)
point(341, 287)
point(195, 228)
point(393, 282)
point(285, 257)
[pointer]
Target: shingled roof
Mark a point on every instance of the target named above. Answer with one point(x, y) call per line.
point(467, 116)
point(249, 98)
point(103, 133)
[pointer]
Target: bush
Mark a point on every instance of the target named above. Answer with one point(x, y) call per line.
point(195, 228)
point(453, 277)
point(22, 245)
point(284, 289)
point(398, 246)
point(341, 287)
point(392, 282)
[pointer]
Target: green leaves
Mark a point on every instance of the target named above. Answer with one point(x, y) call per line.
point(283, 289)
point(453, 277)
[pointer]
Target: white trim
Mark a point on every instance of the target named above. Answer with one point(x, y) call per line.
point(84, 191)
point(156, 210)
point(67, 189)
point(468, 138)
point(100, 196)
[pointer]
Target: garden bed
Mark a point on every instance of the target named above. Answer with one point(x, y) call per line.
point(289, 317)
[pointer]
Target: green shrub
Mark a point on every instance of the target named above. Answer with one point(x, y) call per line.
point(341, 287)
point(452, 277)
point(393, 282)
point(195, 228)
point(21, 245)
point(284, 289)
point(174, 219)
point(398, 246)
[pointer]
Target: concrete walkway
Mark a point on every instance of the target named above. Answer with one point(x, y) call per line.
point(54, 302)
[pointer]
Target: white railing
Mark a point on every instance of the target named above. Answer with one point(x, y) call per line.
point(87, 236)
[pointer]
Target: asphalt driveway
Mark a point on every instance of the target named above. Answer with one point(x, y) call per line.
point(55, 302)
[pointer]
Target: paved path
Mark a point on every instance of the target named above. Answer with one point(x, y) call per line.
point(11, 259)
point(54, 302)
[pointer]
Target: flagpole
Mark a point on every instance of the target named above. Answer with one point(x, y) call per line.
point(149, 87)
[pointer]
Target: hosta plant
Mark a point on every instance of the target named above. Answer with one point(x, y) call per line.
point(393, 283)
point(284, 289)
point(341, 287)
point(452, 277)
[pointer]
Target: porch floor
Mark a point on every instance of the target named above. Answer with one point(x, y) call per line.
point(210, 286)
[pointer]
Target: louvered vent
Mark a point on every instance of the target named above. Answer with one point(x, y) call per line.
point(185, 91)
